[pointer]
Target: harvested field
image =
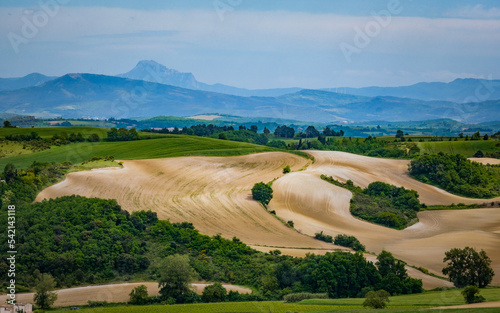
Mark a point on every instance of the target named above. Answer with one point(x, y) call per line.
point(486, 160)
point(110, 293)
point(214, 194)
point(315, 205)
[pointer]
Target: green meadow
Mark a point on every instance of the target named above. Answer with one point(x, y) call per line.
point(164, 147)
point(467, 148)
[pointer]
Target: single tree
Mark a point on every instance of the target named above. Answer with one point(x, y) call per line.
point(9, 173)
point(93, 138)
point(214, 293)
point(387, 263)
point(7, 124)
point(399, 133)
point(253, 128)
point(262, 192)
point(139, 295)
point(176, 274)
point(468, 267)
point(44, 296)
point(479, 154)
point(376, 299)
point(223, 136)
point(266, 131)
point(471, 295)
point(286, 169)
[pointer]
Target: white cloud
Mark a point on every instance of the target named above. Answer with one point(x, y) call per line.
point(303, 47)
point(476, 12)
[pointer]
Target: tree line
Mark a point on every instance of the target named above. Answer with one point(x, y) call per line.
point(458, 175)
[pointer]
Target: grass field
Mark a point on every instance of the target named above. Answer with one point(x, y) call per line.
point(12, 148)
point(407, 303)
point(467, 148)
point(426, 299)
point(168, 146)
point(234, 307)
point(48, 132)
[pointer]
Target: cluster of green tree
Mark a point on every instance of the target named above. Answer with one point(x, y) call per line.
point(21, 137)
point(34, 142)
point(262, 192)
point(369, 146)
point(323, 237)
point(198, 130)
point(242, 135)
point(80, 240)
point(475, 136)
point(204, 130)
point(64, 139)
point(349, 241)
point(381, 203)
point(122, 134)
point(457, 174)
point(341, 240)
point(21, 186)
point(284, 132)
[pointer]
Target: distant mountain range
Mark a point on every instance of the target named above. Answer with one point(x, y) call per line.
point(152, 71)
point(100, 96)
point(151, 89)
point(459, 90)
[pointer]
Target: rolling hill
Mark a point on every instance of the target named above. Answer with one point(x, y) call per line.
point(32, 79)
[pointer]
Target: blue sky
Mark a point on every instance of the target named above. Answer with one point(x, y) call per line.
point(256, 43)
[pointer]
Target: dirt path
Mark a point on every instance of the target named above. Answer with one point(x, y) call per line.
point(110, 293)
point(214, 194)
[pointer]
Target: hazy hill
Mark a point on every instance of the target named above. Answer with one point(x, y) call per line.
point(459, 90)
point(32, 79)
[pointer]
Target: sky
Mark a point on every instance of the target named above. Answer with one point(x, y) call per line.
point(257, 43)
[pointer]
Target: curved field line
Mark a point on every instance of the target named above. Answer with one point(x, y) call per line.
point(316, 206)
point(110, 293)
point(214, 194)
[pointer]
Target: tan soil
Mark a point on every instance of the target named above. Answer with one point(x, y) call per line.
point(214, 194)
point(109, 293)
point(486, 160)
